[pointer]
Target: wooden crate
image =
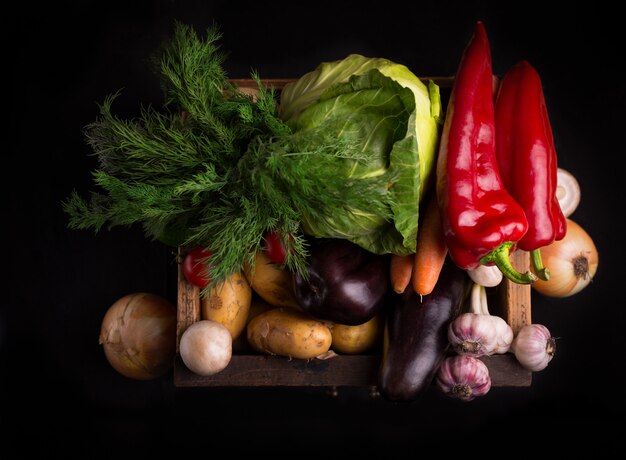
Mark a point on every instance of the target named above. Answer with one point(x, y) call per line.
point(509, 300)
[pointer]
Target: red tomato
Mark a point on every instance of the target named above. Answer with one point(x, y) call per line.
point(274, 249)
point(194, 268)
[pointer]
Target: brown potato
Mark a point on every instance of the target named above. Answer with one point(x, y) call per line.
point(357, 339)
point(286, 332)
point(229, 304)
point(272, 283)
point(258, 306)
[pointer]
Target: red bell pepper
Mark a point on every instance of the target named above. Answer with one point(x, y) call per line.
point(482, 222)
point(527, 159)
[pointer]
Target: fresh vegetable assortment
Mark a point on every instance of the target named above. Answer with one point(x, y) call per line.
point(343, 215)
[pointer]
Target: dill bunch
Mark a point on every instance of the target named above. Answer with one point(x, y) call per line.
point(215, 168)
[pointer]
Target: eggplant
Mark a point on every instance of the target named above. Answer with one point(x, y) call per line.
point(416, 336)
point(345, 283)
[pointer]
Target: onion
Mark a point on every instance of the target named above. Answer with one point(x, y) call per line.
point(138, 335)
point(573, 262)
point(567, 192)
point(206, 347)
point(486, 275)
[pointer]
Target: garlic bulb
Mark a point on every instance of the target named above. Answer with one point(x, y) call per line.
point(486, 275)
point(504, 333)
point(473, 334)
point(463, 377)
point(534, 347)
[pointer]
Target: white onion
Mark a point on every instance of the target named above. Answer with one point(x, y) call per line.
point(486, 275)
point(138, 334)
point(206, 347)
point(567, 192)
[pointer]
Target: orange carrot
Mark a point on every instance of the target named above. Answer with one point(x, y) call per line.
point(430, 252)
point(400, 271)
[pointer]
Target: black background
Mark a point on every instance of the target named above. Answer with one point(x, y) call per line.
point(64, 396)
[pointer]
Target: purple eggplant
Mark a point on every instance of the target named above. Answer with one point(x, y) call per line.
point(346, 284)
point(416, 336)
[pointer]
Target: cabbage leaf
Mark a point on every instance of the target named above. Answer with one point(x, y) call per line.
point(396, 120)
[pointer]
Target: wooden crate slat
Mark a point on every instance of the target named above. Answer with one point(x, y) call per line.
point(514, 299)
point(341, 371)
point(188, 309)
point(266, 370)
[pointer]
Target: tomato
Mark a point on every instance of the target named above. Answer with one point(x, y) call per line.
point(194, 267)
point(274, 249)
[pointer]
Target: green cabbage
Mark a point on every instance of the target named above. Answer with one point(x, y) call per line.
point(397, 120)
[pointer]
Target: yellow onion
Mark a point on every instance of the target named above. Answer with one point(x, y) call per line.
point(138, 334)
point(572, 261)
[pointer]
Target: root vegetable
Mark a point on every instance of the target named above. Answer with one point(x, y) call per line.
point(534, 347)
point(431, 250)
point(400, 271)
point(271, 282)
point(573, 262)
point(206, 347)
point(228, 303)
point(357, 339)
point(463, 377)
point(486, 275)
point(567, 192)
point(257, 306)
point(138, 334)
point(286, 332)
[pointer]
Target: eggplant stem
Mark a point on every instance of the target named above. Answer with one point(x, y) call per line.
point(500, 257)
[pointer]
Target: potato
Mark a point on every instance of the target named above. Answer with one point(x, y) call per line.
point(271, 282)
point(286, 332)
point(229, 304)
point(357, 339)
point(258, 306)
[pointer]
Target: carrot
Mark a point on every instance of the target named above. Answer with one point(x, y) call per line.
point(431, 250)
point(400, 271)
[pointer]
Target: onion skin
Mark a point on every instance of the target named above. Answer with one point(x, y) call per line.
point(138, 335)
point(572, 261)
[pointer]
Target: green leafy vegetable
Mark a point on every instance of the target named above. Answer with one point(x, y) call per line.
point(398, 116)
point(217, 169)
point(306, 91)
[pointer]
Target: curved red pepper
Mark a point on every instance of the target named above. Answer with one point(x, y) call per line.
point(527, 159)
point(482, 222)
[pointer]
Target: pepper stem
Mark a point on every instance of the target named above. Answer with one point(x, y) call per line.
point(542, 272)
point(500, 257)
